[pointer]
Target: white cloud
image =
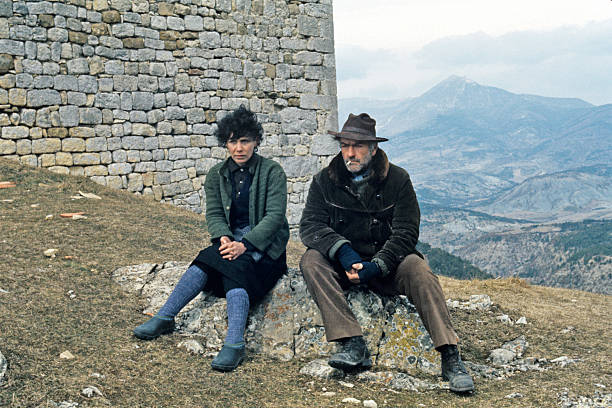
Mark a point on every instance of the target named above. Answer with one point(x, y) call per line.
point(413, 23)
point(572, 61)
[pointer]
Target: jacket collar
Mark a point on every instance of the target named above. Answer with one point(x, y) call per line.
point(341, 176)
point(230, 166)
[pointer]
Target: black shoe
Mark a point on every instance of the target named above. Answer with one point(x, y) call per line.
point(353, 354)
point(229, 357)
point(153, 328)
point(455, 372)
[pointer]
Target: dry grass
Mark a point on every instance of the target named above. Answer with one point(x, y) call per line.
point(39, 320)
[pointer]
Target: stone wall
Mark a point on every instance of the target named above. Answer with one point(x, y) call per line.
point(127, 92)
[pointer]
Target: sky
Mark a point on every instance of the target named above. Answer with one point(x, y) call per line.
point(393, 49)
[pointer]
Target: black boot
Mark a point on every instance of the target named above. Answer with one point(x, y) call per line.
point(153, 328)
point(454, 371)
point(353, 354)
point(229, 357)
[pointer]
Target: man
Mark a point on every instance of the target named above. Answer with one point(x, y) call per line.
point(361, 226)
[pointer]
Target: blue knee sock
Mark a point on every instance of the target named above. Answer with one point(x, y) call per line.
point(189, 286)
point(237, 313)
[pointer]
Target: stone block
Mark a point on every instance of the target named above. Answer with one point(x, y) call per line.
point(195, 115)
point(114, 182)
point(123, 30)
point(81, 132)
point(15, 132)
point(135, 183)
point(12, 47)
point(210, 40)
point(132, 142)
point(95, 144)
point(307, 58)
point(7, 147)
point(319, 102)
point(43, 97)
point(99, 29)
point(69, 115)
point(177, 153)
point(41, 146)
point(88, 84)
point(308, 25)
point(175, 23)
point(77, 37)
point(90, 116)
point(194, 23)
point(121, 5)
point(143, 129)
point(135, 42)
point(17, 97)
point(107, 100)
point(24, 146)
point(63, 159)
point(73, 145)
point(117, 169)
point(96, 170)
point(77, 66)
point(65, 83)
point(86, 159)
point(59, 132)
point(299, 166)
point(46, 160)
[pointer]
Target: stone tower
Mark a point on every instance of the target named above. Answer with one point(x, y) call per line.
point(127, 92)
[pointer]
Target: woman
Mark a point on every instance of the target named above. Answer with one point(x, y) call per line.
point(246, 199)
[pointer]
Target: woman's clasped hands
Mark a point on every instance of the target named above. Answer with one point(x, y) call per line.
point(231, 250)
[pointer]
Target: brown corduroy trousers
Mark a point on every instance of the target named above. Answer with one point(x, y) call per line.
point(412, 278)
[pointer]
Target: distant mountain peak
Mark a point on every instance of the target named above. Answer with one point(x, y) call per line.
point(458, 79)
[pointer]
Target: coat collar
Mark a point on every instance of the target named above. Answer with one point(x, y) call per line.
point(229, 166)
point(341, 176)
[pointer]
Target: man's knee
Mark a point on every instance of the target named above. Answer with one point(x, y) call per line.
point(415, 269)
point(311, 263)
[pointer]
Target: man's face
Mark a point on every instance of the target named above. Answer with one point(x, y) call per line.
point(357, 155)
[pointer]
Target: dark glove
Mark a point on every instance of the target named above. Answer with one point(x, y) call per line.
point(370, 270)
point(347, 256)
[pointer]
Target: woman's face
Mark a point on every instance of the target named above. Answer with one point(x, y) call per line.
point(241, 149)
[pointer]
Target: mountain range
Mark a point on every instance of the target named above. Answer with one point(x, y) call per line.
point(472, 146)
point(518, 185)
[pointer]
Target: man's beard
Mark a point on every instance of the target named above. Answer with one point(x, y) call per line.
point(357, 170)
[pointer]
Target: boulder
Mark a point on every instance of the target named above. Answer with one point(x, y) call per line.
point(3, 368)
point(286, 324)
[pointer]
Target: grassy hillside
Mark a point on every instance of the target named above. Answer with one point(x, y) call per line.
point(69, 303)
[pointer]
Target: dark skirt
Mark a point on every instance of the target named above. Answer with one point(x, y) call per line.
point(257, 278)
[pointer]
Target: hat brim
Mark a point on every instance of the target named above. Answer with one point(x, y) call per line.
point(356, 136)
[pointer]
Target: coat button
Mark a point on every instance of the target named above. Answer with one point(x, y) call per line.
point(378, 196)
point(374, 221)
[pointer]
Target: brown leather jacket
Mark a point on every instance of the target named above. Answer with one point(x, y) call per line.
point(382, 224)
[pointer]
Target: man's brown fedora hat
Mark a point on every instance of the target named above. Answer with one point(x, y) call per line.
point(359, 127)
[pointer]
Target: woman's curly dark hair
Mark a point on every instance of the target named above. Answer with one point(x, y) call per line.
point(239, 123)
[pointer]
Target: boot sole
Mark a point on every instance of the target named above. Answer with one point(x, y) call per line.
point(145, 336)
point(462, 390)
point(225, 368)
point(343, 365)
point(456, 389)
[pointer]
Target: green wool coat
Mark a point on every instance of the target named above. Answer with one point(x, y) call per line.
point(267, 206)
point(381, 224)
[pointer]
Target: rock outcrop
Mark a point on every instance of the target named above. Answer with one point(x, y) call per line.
point(286, 324)
point(3, 368)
